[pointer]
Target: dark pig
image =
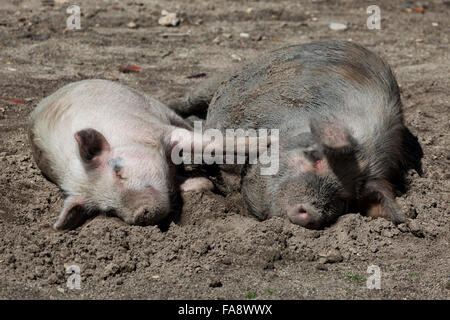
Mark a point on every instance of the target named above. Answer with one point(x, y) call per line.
point(343, 142)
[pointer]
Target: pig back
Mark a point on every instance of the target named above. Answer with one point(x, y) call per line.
point(288, 85)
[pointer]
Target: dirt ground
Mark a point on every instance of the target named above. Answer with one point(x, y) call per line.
point(215, 251)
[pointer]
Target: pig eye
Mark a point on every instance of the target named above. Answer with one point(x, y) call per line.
point(117, 165)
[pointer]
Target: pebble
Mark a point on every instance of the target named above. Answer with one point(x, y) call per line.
point(338, 26)
point(331, 256)
point(235, 57)
point(435, 24)
point(168, 19)
point(52, 279)
point(132, 25)
point(244, 35)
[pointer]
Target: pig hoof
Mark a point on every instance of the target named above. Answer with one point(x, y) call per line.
point(197, 184)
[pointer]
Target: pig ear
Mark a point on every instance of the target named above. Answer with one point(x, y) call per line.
point(92, 146)
point(333, 137)
point(72, 214)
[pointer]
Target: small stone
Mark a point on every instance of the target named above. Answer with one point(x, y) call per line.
point(244, 35)
point(61, 290)
point(435, 24)
point(155, 277)
point(249, 10)
point(235, 57)
point(338, 26)
point(132, 25)
point(216, 40)
point(227, 35)
point(332, 256)
point(169, 19)
point(52, 279)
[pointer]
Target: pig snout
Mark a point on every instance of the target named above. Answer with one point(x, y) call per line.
point(145, 216)
point(149, 214)
point(146, 208)
point(308, 200)
point(305, 215)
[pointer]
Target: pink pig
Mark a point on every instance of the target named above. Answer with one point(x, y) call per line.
point(108, 147)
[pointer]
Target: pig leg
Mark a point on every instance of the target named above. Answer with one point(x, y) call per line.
point(185, 140)
point(178, 121)
point(197, 184)
point(381, 202)
point(196, 101)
